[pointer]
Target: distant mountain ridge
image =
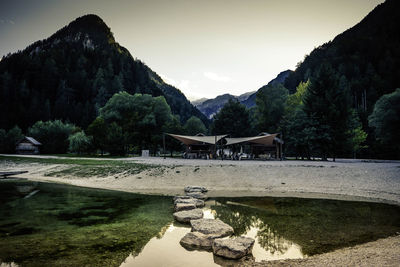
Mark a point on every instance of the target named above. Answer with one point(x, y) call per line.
point(73, 73)
point(210, 107)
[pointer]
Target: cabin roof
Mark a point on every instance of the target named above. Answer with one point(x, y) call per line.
point(32, 140)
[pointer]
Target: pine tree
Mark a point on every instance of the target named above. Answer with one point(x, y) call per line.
point(327, 107)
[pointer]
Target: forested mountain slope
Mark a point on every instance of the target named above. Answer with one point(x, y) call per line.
point(73, 73)
point(366, 58)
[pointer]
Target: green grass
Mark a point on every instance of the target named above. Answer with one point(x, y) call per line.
point(72, 155)
point(87, 167)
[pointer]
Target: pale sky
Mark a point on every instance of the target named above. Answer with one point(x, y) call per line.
point(204, 48)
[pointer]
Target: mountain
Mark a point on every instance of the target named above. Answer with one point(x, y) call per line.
point(73, 73)
point(366, 58)
point(280, 79)
point(198, 102)
point(210, 107)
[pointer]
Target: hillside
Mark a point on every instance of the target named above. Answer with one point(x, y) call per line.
point(210, 107)
point(366, 58)
point(73, 73)
point(280, 79)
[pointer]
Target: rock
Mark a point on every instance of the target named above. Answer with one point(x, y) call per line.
point(184, 206)
point(247, 260)
point(215, 228)
point(233, 248)
point(197, 195)
point(197, 240)
point(190, 189)
point(186, 215)
point(182, 197)
point(197, 202)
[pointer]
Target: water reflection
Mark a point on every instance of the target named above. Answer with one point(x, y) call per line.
point(268, 245)
point(293, 226)
point(166, 251)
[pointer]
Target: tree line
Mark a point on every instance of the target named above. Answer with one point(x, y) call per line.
point(126, 124)
point(316, 121)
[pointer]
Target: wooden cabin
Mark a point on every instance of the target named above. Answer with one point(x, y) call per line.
point(28, 145)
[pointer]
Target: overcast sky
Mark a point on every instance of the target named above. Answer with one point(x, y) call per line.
point(205, 48)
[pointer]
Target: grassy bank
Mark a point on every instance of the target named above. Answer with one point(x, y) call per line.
point(85, 167)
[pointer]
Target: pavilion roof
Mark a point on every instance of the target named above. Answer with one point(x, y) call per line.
point(194, 139)
point(266, 139)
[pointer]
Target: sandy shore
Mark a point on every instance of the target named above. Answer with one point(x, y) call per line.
point(344, 179)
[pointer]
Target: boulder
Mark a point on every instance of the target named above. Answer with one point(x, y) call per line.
point(214, 228)
point(197, 240)
point(197, 195)
point(190, 189)
point(186, 215)
point(184, 206)
point(247, 260)
point(181, 197)
point(233, 248)
point(197, 202)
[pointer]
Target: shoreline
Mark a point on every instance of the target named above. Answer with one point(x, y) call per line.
point(346, 180)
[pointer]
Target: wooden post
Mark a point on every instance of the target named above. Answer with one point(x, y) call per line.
point(215, 148)
point(164, 144)
point(277, 151)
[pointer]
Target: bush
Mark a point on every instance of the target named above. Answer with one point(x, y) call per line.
point(53, 135)
point(79, 143)
point(8, 140)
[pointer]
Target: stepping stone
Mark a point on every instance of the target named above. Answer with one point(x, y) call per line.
point(190, 189)
point(197, 240)
point(182, 197)
point(184, 206)
point(214, 228)
point(186, 215)
point(197, 195)
point(233, 248)
point(247, 260)
point(197, 202)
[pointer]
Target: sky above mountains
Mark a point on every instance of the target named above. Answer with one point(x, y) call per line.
point(205, 48)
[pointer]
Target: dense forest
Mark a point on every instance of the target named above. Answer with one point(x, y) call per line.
point(366, 59)
point(72, 74)
point(79, 91)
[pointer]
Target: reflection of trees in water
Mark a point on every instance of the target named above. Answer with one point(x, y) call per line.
point(316, 225)
point(235, 217)
point(242, 218)
point(270, 239)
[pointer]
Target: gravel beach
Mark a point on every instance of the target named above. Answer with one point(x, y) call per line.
point(368, 180)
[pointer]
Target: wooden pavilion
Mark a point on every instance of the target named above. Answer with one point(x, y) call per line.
point(264, 145)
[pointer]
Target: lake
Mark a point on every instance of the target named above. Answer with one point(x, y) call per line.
point(45, 224)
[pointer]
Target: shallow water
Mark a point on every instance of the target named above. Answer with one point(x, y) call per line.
point(43, 224)
point(170, 253)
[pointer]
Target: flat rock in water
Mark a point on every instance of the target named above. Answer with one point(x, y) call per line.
point(186, 215)
point(198, 202)
point(197, 195)
point(215, 228)
point(233, 248)
point(197, 240)
point(184, 206)
point(182, 197)
point(247, 260)
point(190, 189)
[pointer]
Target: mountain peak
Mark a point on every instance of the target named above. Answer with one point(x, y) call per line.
point(89, 27)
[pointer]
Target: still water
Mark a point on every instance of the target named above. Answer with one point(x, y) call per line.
point(43, 224)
